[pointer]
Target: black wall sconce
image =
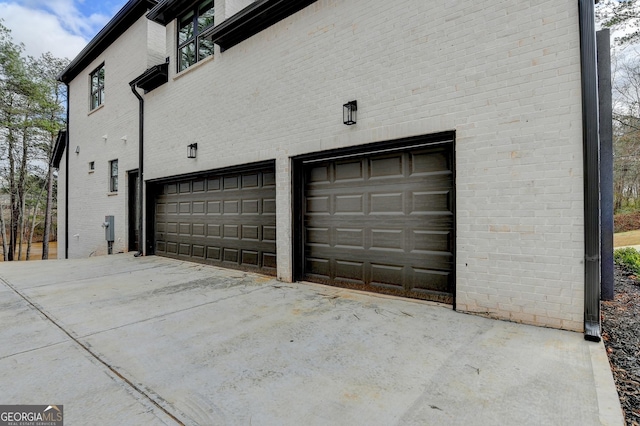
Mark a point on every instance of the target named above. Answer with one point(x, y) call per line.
point(191, 150)
point(78, 149)
point(349, 113)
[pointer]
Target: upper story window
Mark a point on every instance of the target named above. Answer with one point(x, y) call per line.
point(97, 87)
point(191, 47)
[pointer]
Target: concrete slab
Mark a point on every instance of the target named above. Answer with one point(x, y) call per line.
point(186, 343)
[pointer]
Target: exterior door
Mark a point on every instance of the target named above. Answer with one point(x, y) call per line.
point(133, 213)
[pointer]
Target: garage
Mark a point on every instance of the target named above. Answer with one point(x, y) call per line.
point(381, 220)
point(226, 219)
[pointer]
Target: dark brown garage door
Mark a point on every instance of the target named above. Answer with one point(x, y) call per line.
point(382, 222)
point(226, 219)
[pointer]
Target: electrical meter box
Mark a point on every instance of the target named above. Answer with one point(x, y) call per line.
point(109, 228)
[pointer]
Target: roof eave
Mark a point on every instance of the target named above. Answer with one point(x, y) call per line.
point(125, 17)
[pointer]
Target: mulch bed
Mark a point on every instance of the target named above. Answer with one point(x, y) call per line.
point(621, 335)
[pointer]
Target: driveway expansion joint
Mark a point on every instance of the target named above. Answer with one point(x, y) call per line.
point(125, 380)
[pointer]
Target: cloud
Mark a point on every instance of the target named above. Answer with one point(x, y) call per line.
point(41, 31)
point(70, 17)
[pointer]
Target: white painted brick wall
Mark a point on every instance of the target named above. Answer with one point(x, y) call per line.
point(141, 46)
point(231, 7)
point(505, 76)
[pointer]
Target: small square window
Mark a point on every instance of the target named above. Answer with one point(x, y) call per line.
point(113, 176)
point(97, 87)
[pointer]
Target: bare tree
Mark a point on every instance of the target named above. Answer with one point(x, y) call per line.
point(31, 114)
point(626, 116)
point(621, 16)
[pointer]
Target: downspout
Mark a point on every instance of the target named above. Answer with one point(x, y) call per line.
point(66, 183)
point(140, 170)
point(590, 137)
point(603, 39)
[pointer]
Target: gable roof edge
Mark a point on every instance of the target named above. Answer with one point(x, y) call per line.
point(125, 17)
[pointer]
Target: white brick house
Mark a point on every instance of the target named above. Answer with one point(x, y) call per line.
point(462, 180)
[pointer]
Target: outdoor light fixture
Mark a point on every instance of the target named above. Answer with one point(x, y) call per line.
point(191, 150)
point(104, 138)
point(78, 149)
point(349, 112)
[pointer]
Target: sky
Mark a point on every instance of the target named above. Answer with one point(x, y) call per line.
point(62, 27)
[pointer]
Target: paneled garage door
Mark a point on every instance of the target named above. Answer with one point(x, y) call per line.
point(226, 219)
point(382, 222)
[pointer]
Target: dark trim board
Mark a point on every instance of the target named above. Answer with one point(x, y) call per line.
point(305, 223)
point(230, 169)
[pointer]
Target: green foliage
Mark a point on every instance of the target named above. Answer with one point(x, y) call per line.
point(629, 258)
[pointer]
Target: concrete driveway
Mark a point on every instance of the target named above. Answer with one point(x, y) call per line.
point(120, 340)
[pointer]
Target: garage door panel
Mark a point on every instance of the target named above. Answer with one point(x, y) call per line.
point(318, 268)
point(214, 253)
point(250, 257)
point(437, 260)
point(269, 233)
point(350, 170)
point(386, 167)
point(250, 180)
point(198, 229)
point(318, 174)
point(198, 207)
point(429, 162)
point(430, 280)
point(250, 232)
point(225, 219)
point(268, 179)
point(318, 204)
point(429, 241)
point(231, 182)
point(230, 255)
point(318, 235)
point(198, 251)
point(214, 207)
point(349, 204)
point(431, 201)
point(387, 275)
point(184, 249)
point(231, 207)
point(269, 261)
point(350, 271)
point(251, 206)
point(171, 247)
point(269, 206)
point(213, 184)
point(387, 203)
point(388, 239)
point(382, 222)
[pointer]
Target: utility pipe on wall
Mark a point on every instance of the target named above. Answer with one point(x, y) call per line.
point(140, 170)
